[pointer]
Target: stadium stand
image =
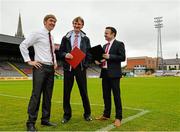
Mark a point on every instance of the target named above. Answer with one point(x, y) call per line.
point(25, 68)
point(93, 72)
point(7, 70)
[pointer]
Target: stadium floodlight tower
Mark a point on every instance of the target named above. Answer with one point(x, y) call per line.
point(159, 25)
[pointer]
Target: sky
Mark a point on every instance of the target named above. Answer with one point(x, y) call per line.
point(133, 19)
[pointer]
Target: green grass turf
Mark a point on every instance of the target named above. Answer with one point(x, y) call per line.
point(161, 96)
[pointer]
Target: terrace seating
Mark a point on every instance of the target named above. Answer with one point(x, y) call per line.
point(24, 67)
point(8, 71)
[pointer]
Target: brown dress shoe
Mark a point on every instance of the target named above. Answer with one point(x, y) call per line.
point(101, 118)
point(117, 123)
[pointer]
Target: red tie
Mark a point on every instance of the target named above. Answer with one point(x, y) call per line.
point(51, 49)
point(75, 44)
point(106, 51)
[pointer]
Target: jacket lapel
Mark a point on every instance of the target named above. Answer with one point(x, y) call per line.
point(81, 43)
point(69, 43)
point(112, 46)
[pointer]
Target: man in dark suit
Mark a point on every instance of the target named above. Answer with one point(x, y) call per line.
point(75, 38)
point(111, 74)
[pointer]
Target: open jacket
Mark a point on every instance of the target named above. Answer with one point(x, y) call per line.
point(66, 47)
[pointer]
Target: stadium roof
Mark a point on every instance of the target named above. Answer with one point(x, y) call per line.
point(10, 39)
point(172, 61)
point(9, 45)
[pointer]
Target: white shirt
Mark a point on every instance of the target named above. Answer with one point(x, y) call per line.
point(40, 41)
point(111, 42)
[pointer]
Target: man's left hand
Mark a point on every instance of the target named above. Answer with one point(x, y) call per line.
point(106, 56)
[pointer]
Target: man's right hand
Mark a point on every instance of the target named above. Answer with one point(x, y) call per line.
point(69, 56)
point(35, 64)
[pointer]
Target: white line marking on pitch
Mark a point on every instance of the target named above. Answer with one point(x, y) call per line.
point(108, 127)
point(21, 97)
point(130, 118)
point(13, 96)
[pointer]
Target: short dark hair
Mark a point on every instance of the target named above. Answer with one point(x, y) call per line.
point(49, 16)
point(113, 30)
point(78, 19)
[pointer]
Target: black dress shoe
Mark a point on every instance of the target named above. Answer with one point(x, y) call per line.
point(31, 128)
point(88, 118)
point(47, 123)
point(64, 120)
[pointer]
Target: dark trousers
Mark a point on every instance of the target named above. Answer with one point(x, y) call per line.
point(81, 80)
point(107, 85)
point(43, 81)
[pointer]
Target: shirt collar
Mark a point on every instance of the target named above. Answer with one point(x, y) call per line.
point(73, 34)
point(44, 29)
point(69, 34)
point(111, 41)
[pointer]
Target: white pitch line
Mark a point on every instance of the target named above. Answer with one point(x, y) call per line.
point(59, 102)
point(13, 96)
point(130, 118)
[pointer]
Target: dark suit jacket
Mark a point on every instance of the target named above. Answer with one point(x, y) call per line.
point(117, 55)
point(65, 48)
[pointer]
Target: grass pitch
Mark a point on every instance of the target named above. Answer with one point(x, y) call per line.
point(161, 96)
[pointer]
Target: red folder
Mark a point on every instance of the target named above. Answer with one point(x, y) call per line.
point(78, 56)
